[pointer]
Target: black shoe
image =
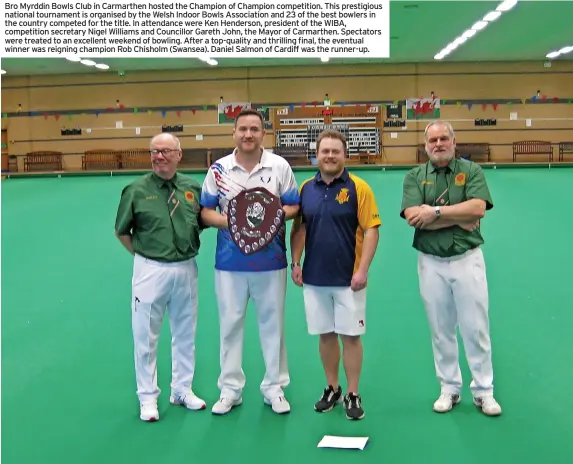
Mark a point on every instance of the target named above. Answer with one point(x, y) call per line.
point(353, 406)
point(329, 399)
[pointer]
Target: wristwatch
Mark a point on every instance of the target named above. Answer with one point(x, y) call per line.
point(438, 212)
point(293, 265)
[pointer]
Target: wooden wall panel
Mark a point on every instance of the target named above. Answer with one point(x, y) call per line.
point(285, 85)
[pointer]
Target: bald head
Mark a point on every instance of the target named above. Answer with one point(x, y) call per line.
point(166, 138)
point(166, 153)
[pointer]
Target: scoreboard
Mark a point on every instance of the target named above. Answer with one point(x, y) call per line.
point(296, 129)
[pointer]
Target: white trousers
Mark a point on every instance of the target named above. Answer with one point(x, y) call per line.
point(455, 293)
point(158, 287)
point(268, 292)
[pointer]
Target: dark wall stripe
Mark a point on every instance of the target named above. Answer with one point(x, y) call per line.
point(159, 109)
point(334, 76)
point(227, 134)
point(384, 148)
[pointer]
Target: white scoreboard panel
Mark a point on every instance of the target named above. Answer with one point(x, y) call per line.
point(363, 137)
point(298, 128)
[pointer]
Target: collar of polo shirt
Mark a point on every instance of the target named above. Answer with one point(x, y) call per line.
point(451, 166)
point(342, 177)
point(160, 181)
point(265, 162)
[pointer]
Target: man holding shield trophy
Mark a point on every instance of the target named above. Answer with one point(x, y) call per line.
point(249, 195)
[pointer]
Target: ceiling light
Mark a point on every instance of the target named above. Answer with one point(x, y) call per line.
point(88, 62)
point(73, 58)
point(492, 16)
point(504, 6)
point(102, 66)
point(562, 51)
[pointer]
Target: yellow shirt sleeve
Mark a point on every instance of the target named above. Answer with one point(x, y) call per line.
point(368, 214)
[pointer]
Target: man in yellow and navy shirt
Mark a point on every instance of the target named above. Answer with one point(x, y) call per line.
point(337, 227)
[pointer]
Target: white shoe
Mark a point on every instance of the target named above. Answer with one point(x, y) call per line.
point(279, 404)
point(224, 405)
point(148, 412)
point(446, 402)
point(488, 405)
point(189, 400)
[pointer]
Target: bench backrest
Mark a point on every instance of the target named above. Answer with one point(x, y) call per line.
point(44, 157)
point(472, 148)
point(532, 147)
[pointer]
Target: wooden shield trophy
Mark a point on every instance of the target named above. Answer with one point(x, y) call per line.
point(255, 216)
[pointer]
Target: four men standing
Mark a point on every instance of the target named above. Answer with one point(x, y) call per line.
point(336, 224)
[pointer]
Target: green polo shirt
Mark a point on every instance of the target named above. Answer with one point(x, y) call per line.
point(460, 181)
point(162, 217)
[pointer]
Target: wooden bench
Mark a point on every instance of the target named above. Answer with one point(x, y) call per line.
point(469, 150)
point(296, 155)
point(565, 148)
point(100, 160)
point(369, 158)
point(463, 150)
point(43, 161)
point(135, 159)
point(533, 147)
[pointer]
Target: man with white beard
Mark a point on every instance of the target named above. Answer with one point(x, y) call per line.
point(444, 200)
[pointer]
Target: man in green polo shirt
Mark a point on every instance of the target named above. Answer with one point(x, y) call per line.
point(444, 200)
point(158, 221)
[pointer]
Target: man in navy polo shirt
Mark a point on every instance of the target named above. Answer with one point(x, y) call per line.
point(337, 227)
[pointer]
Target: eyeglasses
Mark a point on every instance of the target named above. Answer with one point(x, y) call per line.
point(164, 152)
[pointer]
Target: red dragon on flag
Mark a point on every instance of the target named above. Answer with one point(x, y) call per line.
point(229, 111)
point(423, 108)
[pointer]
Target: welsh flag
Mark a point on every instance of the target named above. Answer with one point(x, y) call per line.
point(423, 108)
point(229, 111)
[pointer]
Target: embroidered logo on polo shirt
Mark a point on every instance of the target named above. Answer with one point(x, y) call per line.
point(189, 196)
point(343, 196)
point(460, 179)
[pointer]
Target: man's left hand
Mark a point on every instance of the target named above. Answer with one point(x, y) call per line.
point(359, 281)
point(423, 217)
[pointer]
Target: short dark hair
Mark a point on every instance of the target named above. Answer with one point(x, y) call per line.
point(250, 112)
point(331, 134)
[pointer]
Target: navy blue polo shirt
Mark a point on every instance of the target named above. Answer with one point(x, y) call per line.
point(335, 216)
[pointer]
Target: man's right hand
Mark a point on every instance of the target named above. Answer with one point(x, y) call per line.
point(470, 226)
point(296, 275)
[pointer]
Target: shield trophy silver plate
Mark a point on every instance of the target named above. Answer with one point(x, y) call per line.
point(254, 217)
